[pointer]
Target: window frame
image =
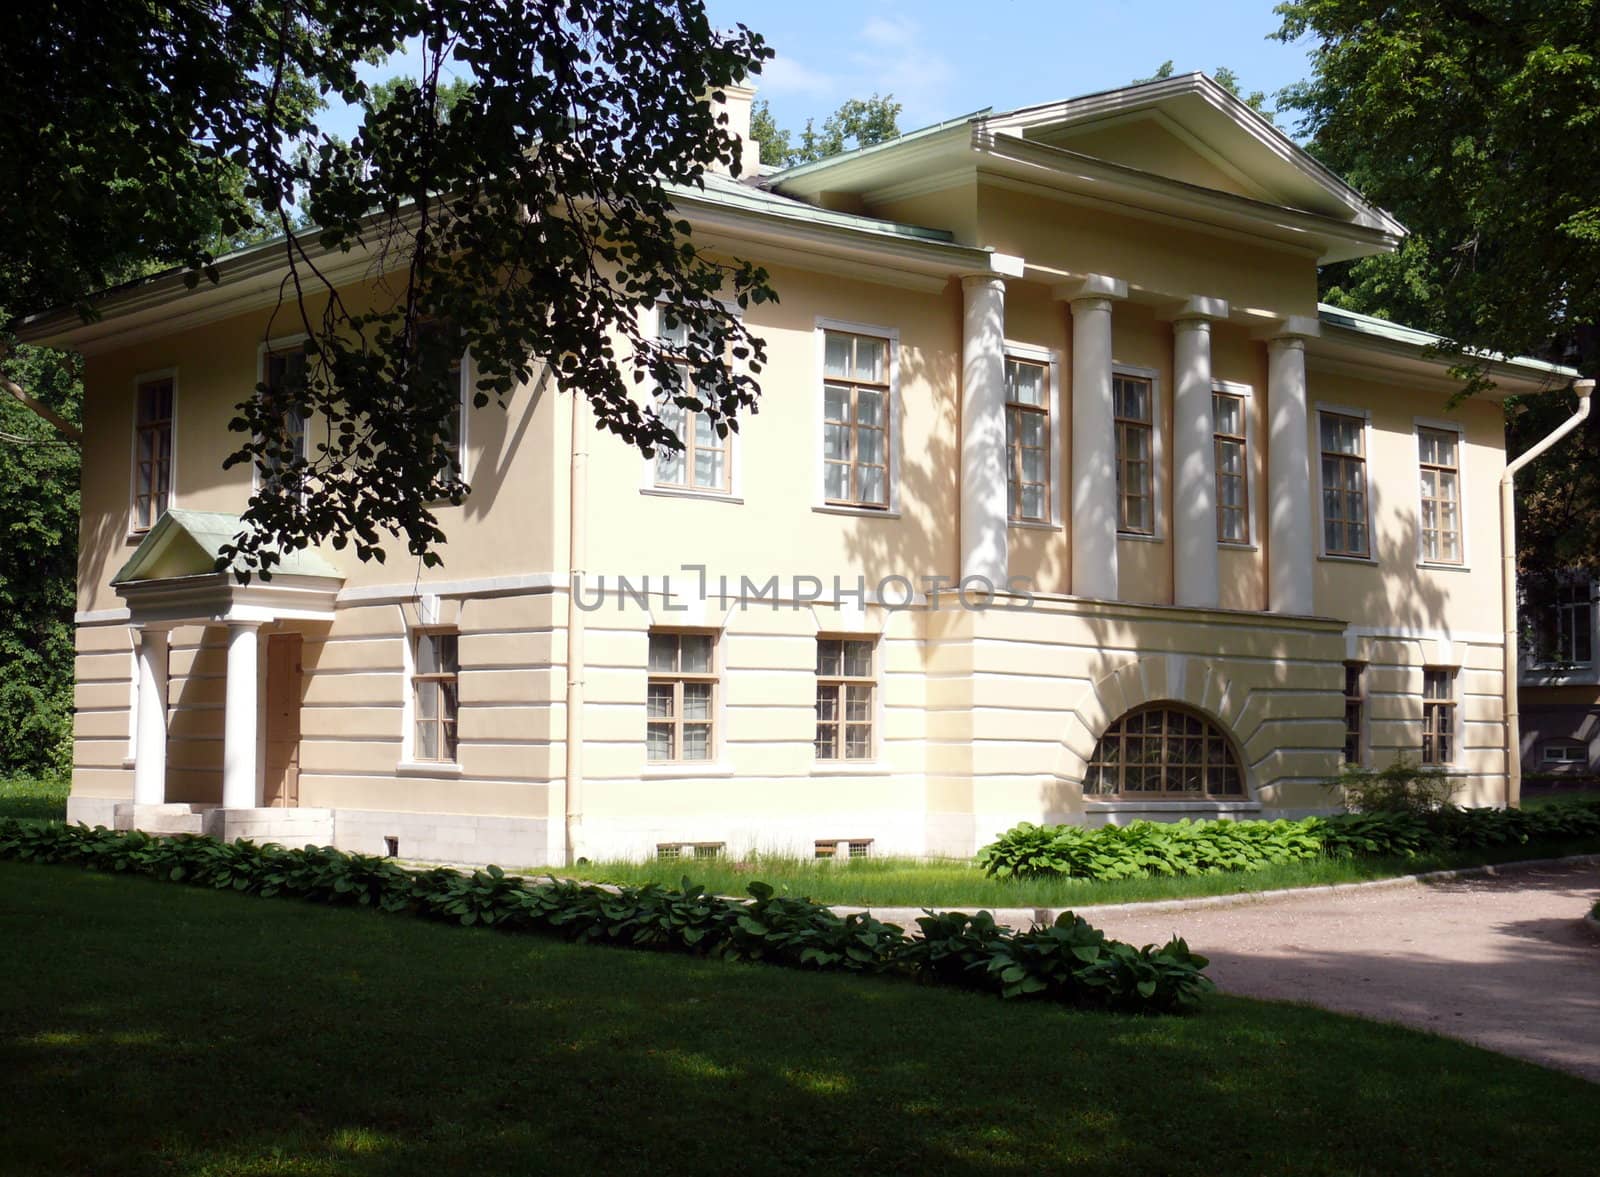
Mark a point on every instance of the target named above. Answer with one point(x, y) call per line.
point(1357, 702)
point(1246, 394)
point(1158, 515)
point(415, 680)
point(678, 677)
point(140, 382)
point(1365, 417)
point(1564, 745)
point(1440, 720)
point(1210, 729)
point(840, 682)
point(891, 335)
point(1587, 590)
point(1442, 426)
point(732, 489)
point(1050, 359)
point(264, 350)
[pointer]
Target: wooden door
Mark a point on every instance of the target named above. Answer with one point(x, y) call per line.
point(280, 785)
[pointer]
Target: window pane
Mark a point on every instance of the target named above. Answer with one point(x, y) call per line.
point(872, 359)
point(427, 654)
point(427, 701)
point(658, 741)
point(1024, 382)
point(836, 402)
point(827, 703)
point(671, 332)
point(836, 442)
point(696, 653)
point(1031, 430)
point(427, 741)
point(827, 742)
point(869, 446)
point(858, 702)
point(697, 700)
point(1032, 504)
point(658, 701)
point(836, 481)
point(708, 465)
point(871, 482)
point(663, 651)
point(446, 644)
point(669, 466)
point(696, 741)
point(1228, 412)
point(869, 407)
point(836, 354)
point(858, 659)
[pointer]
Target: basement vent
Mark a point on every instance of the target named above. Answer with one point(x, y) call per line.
point(391, 843)
point(841, 848)
point(678, 851)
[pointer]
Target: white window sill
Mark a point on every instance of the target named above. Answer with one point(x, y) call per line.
point(428, 768)
point(1141, 539)
point(863, 512)
point(1440, 566)
point(1234, 545)
point(851, 768)
point(1553, 676)
point(1324, 556)
point(1219, 808)
point(1033, 524)
point(671, 770)
point(709, 496)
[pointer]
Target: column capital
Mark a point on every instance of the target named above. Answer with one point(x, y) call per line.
point(1300, 327)
point(983, 279)
point(1090, 286)
point(1197, 308)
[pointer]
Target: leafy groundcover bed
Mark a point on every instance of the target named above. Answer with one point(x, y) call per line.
point(1177, 849)
point(1069, 961)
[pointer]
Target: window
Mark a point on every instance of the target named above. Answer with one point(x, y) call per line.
point(1564, 754)
point(702, 463)
point(1565, 634)
point(1133, 400)
point(1437, 459)
point(681, 698)
point(1438, 717)
point(1344, 485)
point(846, 689)
point(284, 374)
point(1161, 751)
point(436, 697)
point(1027, 440)
point(856, 416)
point(1233, 480)
point(1355, 698)
point(152, 466)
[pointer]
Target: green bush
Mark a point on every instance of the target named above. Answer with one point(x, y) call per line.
point(1192, 848)
point(1068, 962)
point(1402, 787)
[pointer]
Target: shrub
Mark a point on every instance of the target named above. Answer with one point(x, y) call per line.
point(1192, 848)
point(1403, 787)
point(1068, 962)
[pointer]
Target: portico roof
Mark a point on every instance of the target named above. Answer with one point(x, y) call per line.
point(173, 577)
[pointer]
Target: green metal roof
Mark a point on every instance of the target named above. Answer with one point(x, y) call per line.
point(189, 543)
point(730, 193)
point(1378, 328)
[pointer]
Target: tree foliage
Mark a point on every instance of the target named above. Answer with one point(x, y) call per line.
point(1476, 125)
point(38, 563)
point(859, 122)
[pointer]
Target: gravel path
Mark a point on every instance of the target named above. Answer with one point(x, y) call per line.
point(1504, 962)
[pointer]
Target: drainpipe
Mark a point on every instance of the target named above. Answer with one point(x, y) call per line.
point(1508, 587)
point(577, 556)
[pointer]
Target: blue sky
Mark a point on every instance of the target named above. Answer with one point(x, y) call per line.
point(943, 58)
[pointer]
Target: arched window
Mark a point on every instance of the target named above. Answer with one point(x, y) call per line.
point(1162, 751)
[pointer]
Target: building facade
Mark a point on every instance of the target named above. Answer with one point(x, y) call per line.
point(1560, 689)
point(1066, 502)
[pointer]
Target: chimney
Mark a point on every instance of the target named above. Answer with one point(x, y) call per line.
point(737, 108)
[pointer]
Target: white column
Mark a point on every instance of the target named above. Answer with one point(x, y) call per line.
point(984, 548)
point(1289, 479)
point(1194, 497)
point(1094, 470)
point(240, 782)
point(150, 750)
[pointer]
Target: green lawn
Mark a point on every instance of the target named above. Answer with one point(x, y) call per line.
point(38, 800)
point(147, 1028)
point(898, 882)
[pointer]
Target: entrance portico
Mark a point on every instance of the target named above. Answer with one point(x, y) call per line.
point(171, 580)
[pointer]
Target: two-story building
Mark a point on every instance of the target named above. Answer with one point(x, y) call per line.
point(1066, 502)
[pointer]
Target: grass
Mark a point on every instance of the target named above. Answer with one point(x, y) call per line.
point(34, 799)
point(158, 1029)
point(899, 882)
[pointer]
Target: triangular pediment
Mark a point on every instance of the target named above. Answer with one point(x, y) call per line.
point(189, 543)
point(1151, 142)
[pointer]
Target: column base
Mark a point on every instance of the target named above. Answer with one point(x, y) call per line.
point(288, 827)
point(170, 818)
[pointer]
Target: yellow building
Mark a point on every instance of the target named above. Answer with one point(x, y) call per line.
point(1066, 502)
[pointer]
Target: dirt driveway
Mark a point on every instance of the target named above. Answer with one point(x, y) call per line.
point(1502, 961)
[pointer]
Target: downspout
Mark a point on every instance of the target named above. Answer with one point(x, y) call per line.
point(1508, 587)
point(577, 556)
